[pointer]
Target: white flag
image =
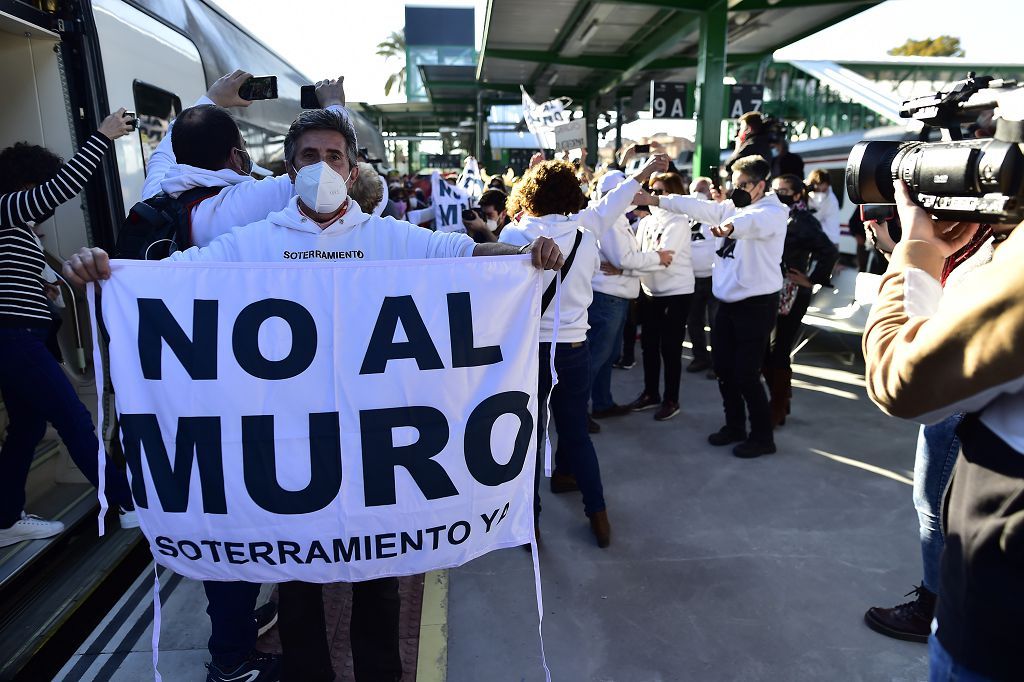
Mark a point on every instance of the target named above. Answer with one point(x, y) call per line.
point(541, 119)
point(470, 181)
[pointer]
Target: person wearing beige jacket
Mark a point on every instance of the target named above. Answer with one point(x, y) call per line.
point(929, 354)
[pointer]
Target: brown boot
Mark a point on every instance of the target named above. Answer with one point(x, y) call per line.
point(601, 528)
point(563, 483)
point(911, 621)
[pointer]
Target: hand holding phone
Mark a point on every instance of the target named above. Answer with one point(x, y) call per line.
point(259, 87)
point(642, 149)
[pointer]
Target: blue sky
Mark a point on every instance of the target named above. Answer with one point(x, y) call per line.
point(327, 37)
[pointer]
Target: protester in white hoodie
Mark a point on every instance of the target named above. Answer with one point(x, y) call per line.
point(703, 305)
point(664, 309)
point(548, 197)
point(746, 279)
point(203, 148)
point(612, 292)
point(323, 224)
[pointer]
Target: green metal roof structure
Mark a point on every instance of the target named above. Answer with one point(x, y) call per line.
point(600, 51)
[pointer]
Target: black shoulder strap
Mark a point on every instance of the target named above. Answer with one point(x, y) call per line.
point(188, 200)
point(549, 293)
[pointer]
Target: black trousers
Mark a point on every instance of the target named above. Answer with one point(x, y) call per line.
point(664, 323)
point(702, 310)
point(787, 328)
point(739, 339)
point(232, 627)
point(373, 635)
point(628, 356)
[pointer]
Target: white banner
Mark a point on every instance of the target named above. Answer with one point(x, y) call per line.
point(449, 203)
point(326, 422)
point(541, 119)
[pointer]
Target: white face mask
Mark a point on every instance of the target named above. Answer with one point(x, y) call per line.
point(700, 195)
point(492, 225)
point(321, 188)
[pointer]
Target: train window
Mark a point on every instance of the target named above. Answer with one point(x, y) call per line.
point(156, 108)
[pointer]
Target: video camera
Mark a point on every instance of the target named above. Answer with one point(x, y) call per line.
point(980, 180)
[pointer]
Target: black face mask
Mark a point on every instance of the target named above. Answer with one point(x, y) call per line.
point(740, 197)
point(787, 199)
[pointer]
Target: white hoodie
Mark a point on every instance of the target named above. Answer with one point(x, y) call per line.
point(617, 243)
point(288, 235)
point(754, 266)
point(576, 292)
point(670, 231)
point(825, 208)
point(244, 200)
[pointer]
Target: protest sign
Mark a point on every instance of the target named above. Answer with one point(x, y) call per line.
point(326, 422)
point(449, 203)
point(571, 135)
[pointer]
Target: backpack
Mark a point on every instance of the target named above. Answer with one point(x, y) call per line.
point(161, 225)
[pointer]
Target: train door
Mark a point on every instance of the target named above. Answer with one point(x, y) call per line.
point(150, 69)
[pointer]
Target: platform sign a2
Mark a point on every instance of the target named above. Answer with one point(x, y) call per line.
point(744, 97)
point(668, 100)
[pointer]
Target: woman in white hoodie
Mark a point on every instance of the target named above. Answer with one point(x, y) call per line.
point(548, 196)
point(665, 309)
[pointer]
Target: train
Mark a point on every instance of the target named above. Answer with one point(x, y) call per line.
point(65, 65)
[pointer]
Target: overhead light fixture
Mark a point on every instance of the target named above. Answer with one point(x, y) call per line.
point(553, 78)
point(741, 18)
point(589, 33)
point(728, 80)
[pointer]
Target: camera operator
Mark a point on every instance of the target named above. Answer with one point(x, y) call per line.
point(785, 162)
point(487, 222)
point(33, 183)
point(807, 259)
point(930, 354)
point(751, 140)
point(746, 280)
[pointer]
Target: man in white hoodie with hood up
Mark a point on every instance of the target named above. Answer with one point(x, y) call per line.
point(746, 279)
point(208, 151)
point(322, 224)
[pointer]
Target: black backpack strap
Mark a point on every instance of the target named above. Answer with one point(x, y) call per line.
point(189, 199)
point(549, 293)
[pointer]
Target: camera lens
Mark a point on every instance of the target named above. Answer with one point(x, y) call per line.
point(869, 172)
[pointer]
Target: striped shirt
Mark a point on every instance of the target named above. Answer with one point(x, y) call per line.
point(22, 300)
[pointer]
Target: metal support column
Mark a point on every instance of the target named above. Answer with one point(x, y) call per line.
point(710, 96)
point(480, 119)
point(590, 115)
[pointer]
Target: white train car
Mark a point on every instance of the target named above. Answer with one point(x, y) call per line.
point(64, 65)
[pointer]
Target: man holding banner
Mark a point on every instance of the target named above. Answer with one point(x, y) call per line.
point(248, 522)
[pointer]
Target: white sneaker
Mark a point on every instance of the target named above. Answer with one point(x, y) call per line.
point(29, 527)
point(128, 518)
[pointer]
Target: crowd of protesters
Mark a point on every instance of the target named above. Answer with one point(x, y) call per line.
point(655, 256)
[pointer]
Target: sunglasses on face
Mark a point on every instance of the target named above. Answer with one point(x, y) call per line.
point(657, 192)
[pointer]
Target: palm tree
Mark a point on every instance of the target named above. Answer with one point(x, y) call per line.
point(394, 46)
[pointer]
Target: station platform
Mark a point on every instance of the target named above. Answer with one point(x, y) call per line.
point(719, 568)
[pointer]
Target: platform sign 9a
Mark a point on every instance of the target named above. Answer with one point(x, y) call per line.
point(668, 100)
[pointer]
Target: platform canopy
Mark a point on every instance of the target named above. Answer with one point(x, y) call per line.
point(587, 48)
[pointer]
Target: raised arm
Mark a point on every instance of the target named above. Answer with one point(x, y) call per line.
point(604, 214)
point(705, 211)
point(31, 205)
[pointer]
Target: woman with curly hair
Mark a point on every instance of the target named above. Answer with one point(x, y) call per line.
point(547, 199)
point(33, 183)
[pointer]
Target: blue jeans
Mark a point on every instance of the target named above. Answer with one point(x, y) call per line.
point(937, 450)
point(942, 667)
point(36, 391)
point(607, 315)
point(575, 453)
